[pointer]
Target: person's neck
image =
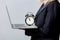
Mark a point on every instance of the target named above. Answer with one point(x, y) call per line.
point(50, 0)
point(45, 2)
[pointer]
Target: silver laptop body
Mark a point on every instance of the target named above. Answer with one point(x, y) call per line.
point(19, 26)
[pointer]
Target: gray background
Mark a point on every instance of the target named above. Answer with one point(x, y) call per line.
point(17, 10)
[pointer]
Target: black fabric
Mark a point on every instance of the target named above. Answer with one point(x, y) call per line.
point(58, 17)
point(31, 32)
point(47, 22)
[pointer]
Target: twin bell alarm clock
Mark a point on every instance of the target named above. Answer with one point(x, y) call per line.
point(29, 20)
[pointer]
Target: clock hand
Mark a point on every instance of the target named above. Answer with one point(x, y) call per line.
point(29, 19)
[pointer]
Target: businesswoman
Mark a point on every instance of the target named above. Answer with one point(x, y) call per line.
point(45, 20)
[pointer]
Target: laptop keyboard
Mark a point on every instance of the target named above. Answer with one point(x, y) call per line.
point(19, 25)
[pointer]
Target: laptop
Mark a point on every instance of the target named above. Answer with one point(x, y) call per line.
point(19, 26)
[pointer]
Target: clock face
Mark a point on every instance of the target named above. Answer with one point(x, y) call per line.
point(29, 20)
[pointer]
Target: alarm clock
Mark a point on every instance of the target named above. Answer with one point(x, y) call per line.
point(29, 20)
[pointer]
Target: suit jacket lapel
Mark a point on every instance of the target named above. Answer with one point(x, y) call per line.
point(41, 8)
point(44, 6)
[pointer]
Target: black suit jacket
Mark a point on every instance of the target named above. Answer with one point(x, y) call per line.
point(46, 22)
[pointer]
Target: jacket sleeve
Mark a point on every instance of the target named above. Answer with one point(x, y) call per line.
point(30, 32)
point(50, 17)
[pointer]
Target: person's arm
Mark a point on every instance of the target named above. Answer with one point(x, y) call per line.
point(31, 32)
point(50, 17)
